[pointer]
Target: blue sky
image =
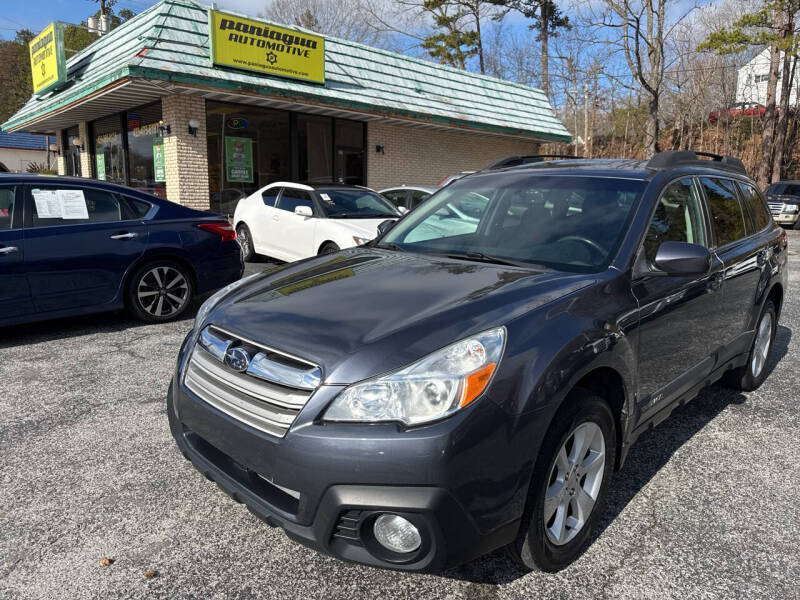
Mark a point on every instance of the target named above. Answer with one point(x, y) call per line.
point(37, 14)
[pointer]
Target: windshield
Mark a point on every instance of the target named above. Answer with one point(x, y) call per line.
point(344, 203)
point(784, 189)
point(570, 223)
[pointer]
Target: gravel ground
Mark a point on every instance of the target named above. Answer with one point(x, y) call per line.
point(705, 507)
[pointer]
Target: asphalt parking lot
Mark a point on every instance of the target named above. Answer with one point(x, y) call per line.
point(705, 507)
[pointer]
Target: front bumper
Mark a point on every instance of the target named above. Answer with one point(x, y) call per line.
point(786, 218)
point(325, 491)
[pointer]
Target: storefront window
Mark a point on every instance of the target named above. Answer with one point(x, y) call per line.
point(314, 146)
point(72, 153)
point(108, 149)
point(248, 147)
point(146, 150)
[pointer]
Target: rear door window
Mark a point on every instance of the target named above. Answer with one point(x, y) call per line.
point(53, 205)
point(758, 207)
point(418, 196)
point(7, 206)
point(727, 217)
point(397, 197)
point(270, 196)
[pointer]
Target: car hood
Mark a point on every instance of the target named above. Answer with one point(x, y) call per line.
point(366, 311)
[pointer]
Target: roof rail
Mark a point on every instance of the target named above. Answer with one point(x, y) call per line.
point(676, 158)
point(515, 161)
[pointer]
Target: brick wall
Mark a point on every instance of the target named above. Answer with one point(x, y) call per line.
point(426, 156)
point(86, 157)
point(61, 162)
point(185, 155)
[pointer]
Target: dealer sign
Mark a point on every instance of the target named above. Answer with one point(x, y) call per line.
point(48, 65)
point(258, 46)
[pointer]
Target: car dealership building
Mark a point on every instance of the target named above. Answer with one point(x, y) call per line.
point(196, 105)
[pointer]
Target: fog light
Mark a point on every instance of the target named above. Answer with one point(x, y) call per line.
point(397, 534)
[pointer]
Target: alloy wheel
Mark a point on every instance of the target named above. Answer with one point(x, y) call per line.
point(162, 291)
point(762, 344)
point(574, 483)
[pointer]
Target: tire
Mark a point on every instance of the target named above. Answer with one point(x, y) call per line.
point(751, 375)
point(245, 239)
point(164, 280)
point(537, 547)
point(328, 248)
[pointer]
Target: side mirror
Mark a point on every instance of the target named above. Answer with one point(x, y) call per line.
point(303, 211)
point(402, 210)
point(682, 258)
point(385, 226)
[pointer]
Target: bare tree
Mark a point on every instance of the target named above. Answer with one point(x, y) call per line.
point(347, 19)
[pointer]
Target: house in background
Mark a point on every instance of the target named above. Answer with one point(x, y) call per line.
point(18, 150)
point(751, 82)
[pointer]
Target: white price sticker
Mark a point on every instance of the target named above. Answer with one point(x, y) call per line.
point(73, 204)
point(47, 203)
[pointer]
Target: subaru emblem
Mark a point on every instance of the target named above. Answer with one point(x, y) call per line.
point(237, 359)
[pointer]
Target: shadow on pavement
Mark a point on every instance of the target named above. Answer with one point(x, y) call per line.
point(647, 456)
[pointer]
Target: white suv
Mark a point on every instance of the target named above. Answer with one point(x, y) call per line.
point(290, 221)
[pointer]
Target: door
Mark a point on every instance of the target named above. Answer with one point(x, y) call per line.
point(15, 296)
point(350, 165)
point(79, 243)
point(676, 335)
point(263, 222)
point(744, 257)
point(293, 233)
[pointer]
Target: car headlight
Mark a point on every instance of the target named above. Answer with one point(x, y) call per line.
point(791, 208)
point(360, 241)
point(434, 387)
point(214, 299)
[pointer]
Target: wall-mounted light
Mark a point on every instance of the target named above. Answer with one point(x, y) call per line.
point(163, 129)
point(379, 149)
point(194, 125)
point(78, 143)
point(54, 149)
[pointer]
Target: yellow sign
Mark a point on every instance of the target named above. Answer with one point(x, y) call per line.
point(265, 48)
point(48, 65)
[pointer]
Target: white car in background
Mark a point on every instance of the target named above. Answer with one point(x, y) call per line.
point(290, 221)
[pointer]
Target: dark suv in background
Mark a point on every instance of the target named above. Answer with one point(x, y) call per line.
point(471, 379)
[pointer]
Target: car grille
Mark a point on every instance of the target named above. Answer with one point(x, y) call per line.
point(775, 207)
point(266, 392)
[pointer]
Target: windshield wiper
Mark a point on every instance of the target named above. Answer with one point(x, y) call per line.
point(390, 246)
point(484, 258)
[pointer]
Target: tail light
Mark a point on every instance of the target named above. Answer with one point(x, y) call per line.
point(223, 229)
point(442, 181)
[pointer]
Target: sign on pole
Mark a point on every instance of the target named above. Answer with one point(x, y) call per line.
point(48, 65)
point(265, 48)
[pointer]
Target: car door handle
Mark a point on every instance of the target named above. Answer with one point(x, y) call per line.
point(124, 236)
point(276, 218)
point(8, 249)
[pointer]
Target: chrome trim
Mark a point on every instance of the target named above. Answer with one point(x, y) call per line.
point(262, 346)
point(215, 346)
point(269, 370)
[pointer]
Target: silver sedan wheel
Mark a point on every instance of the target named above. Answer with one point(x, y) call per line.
point(762, 344)
point(162, 291)
point(574, 483)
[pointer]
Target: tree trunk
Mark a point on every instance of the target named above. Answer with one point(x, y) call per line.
point(764, 174)
point(480, 39)
point(651, 129)
point(783, 113)
point(544, 33)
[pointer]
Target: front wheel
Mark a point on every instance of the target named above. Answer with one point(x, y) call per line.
point(569, 484)
point(160, 291)
point(328, 248)
point(751, 375)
